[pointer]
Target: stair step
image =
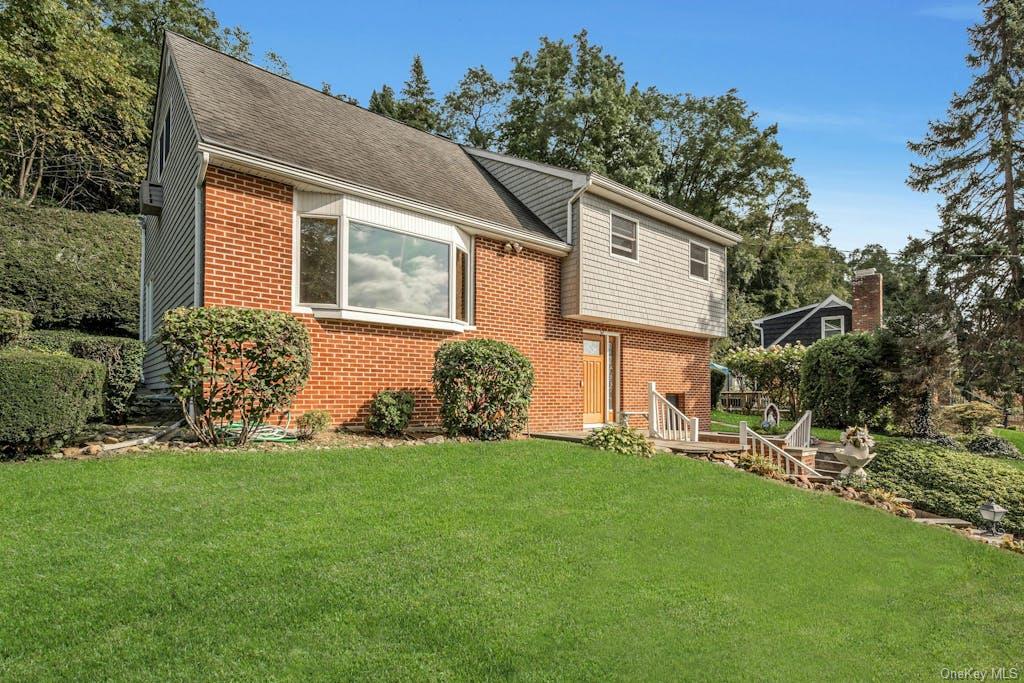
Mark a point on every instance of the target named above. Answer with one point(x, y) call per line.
point(943, 521)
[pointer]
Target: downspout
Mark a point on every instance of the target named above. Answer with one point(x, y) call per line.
point(568, 208)
point(142, 288)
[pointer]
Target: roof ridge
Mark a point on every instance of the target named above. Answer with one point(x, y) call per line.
point(309, 87)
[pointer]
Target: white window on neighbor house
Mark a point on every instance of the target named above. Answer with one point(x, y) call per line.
point(623, 237)
point(698, 261)
point(391, 266)
point(832, 325)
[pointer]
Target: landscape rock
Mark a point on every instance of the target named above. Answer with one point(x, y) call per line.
point(93, 449)
point(434, 439)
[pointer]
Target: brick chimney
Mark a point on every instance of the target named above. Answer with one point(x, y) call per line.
point(867, 300)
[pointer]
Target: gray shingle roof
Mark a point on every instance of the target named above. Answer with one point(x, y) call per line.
point(245, 108)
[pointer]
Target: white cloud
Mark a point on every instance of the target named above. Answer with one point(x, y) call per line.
point(421, 286)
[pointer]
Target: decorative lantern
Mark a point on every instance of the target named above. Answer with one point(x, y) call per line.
point(992, 512)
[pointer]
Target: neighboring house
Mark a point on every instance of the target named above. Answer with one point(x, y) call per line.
point(387, 241)
point(829, 317)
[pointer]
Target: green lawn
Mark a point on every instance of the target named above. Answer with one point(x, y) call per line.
point(529, 560)
point(721, 421)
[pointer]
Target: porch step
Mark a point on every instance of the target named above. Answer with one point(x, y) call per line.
point(944, 521)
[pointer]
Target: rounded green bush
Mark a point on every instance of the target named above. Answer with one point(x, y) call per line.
point(234, 364)
point(390, 412)
point(13, 324)
point(484, 387)
point(313, 422)
point(122, 358)
point(621, 439)
point(46, 398)
point(970, 417)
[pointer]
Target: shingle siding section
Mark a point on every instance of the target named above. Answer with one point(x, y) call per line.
point(543, 194)
point(809, 331)
point(657, 289)
point(170, 238)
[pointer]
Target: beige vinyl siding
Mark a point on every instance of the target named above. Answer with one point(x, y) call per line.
point(170, 239)
point(657, 289)
point(571, 270)
point(543, 194)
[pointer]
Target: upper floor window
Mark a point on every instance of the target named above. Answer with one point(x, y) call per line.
point(832, 325)
point(164, 143)
point(698, 261)
point(624, 237)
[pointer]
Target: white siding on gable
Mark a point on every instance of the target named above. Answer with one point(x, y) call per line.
point(654, 291)
point(544, 194)
point(170, 238)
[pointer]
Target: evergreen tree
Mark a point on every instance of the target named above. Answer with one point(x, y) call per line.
point(383, 102)
point(973, 159)
point(417, 106)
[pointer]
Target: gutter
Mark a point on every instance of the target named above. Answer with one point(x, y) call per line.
point(307, 179)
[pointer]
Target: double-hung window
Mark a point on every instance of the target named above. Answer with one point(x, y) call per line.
point(623, 237)
point(832, 325)
point(411, 270)
point(698, 261)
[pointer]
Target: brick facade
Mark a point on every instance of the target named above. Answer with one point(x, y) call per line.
point(247, 262)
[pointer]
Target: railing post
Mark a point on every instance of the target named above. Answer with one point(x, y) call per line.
point(695, 429)
point(652, 411)
point(743, 436)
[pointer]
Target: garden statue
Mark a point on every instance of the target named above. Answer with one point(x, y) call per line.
point(856, 452)
point(770, 417)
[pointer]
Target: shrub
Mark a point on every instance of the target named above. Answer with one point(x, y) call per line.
point(122, 358)
point(45, 398)
point(759, 465)
point(484, 387)
point(992, 446)
point(13, 324)
point(717, 385)
point(621, 439)
point(313, 422)
point(70, 268)
point(971, 417)
point(844, 380)
point(233, 364)
point(390, 412)
point(775, 370)
point(50, 341)
point(947, 482)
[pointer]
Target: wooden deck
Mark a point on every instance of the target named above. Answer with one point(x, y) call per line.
point(684, 447)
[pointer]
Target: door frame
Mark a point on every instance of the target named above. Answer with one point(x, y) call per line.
point(612, 404)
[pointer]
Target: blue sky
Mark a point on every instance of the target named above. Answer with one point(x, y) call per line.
point(848, 82)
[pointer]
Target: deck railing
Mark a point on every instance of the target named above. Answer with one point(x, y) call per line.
point(800, 435)
point(758, 445)
point(667, 421)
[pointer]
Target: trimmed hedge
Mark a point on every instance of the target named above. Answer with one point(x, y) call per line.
point(843, 379)
point(122, 357)
point(992, 446)
point(390, 412)
point(46, 398)
point(13, 324)
point(70, 269)
point(947, 482)
point(484, 387)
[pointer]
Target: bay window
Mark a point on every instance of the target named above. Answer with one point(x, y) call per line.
point(377, 263)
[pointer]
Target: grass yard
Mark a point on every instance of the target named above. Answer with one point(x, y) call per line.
point(529, 560)
point(722, 421)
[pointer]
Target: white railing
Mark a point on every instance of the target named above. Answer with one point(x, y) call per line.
point(667, 421)
point(758, 445)
point(800, 435)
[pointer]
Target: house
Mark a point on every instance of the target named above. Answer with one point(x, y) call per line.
point(828, 317)
point(386, 242)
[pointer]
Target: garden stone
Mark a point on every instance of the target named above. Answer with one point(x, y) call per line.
point(93, 449)
point(434, 439)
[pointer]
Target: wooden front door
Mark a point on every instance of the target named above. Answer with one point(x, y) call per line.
point(593, 379)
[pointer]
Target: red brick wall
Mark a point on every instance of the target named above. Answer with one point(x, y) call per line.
point(248, 263)
point(867, 300)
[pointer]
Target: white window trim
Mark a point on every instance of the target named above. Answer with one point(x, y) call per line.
point(344, 311)
point(840, 318)
point(636, 239)
point(707, 261)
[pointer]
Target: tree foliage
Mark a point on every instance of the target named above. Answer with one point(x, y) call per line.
point(973, 158)
point(775, 371)
point(474, 112)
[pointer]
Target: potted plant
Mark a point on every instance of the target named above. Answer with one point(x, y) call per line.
point(856, 453)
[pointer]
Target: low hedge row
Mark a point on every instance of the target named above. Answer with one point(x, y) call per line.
point(46, 398)
point(121, 356)
point(948, 482)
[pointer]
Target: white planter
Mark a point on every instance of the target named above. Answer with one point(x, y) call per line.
point(855, 459)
